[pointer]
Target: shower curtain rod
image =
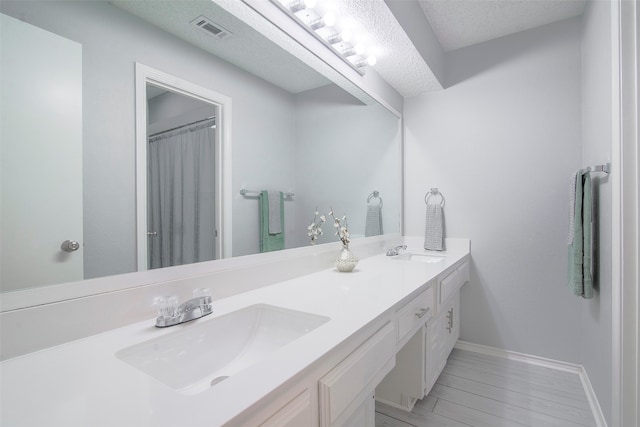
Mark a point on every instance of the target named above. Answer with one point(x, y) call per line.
point(182, 126)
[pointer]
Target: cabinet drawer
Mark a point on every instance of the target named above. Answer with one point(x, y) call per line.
point(453, 281)
point(353, 380)
point(414, 314)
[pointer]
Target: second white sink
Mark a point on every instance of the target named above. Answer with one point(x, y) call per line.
point(418, 257)
point(198, 356)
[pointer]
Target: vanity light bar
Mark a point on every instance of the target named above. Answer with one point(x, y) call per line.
point(297, 5)
point(322, 28)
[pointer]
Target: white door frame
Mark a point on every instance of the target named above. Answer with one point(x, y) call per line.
point(144, 75)
point(625, 291)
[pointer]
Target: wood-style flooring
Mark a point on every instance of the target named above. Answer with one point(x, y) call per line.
point(479, 390)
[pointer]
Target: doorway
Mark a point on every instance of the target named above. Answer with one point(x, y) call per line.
point(181, 179)
point(182, 142)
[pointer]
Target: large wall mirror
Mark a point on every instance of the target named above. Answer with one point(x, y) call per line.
point(69, 134)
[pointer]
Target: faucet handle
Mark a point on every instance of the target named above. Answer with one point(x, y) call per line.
point(167, 306)
point(395, 250)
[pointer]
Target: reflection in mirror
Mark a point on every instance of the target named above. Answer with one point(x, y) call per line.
point(181, 178)
point(41, 101)
point(292, 130)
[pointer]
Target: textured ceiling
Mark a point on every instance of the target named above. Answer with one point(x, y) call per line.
point(399, 63)
point(461, 23)
point(456, 23)
point(249, 50)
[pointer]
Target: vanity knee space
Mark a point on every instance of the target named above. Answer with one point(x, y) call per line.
point(423, 350)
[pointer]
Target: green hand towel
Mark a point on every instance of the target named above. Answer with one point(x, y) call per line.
point(579, 255)
point(270, 242)
point(587, 279)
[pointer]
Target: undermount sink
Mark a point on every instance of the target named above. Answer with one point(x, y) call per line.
point(418, 257)
point(199, 356)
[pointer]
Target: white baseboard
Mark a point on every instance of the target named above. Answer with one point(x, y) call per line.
point(547, 363)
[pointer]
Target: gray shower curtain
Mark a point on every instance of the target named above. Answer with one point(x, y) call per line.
point(181, 196)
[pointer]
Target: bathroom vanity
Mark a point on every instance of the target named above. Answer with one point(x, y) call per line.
point(428, 344)
point(322, 348)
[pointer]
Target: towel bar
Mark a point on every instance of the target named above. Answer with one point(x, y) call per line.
point(256, 193)
point(599, 168)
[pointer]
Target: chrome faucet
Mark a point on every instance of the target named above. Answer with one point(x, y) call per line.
point(170, 313)
point(395, 250)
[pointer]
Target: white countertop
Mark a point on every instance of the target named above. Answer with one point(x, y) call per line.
point(83, 383)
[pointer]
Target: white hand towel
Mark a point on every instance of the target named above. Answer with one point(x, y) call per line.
point(373, 225)
point(434, 228)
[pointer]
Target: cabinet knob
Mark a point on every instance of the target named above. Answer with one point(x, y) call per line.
point(70, 246)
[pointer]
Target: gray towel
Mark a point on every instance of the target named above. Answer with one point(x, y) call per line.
point(275, 198)
point(434, 226)
point(373, 226)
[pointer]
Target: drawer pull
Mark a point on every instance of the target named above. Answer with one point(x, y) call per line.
point(450, 320)
point(423, 311)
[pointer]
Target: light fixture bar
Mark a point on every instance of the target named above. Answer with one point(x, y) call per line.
point(311, 30)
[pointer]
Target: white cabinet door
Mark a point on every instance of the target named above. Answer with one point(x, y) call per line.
point(451, 324)
point(364, 416)
point(434, 364)
point(297, 413)
point(350, 383)
point(41, 162)
point(442, 333)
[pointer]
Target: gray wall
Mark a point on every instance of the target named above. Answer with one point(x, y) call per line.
point(344, 151)
point(501, 142)
point(112, 42)
point(596, 315)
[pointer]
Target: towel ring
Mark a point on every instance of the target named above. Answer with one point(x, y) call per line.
point(433, 192)
point(376, 195)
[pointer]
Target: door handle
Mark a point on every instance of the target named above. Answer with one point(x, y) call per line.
point(70, 246)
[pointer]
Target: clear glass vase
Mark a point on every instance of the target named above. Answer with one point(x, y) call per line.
point(345, 261)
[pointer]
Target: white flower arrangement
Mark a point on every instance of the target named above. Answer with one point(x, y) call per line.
point(340, 224)
point(315, 228)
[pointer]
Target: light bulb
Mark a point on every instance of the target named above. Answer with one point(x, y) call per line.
point(345, 35)
point(329, 19)
point(372, 60)
point(359, 49)
point(310, 4)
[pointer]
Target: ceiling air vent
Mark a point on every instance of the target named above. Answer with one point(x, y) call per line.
point(211, 28)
